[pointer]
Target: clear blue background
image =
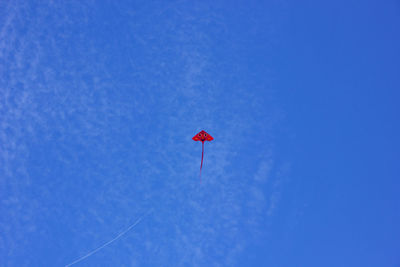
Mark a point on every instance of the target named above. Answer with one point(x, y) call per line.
point(99, 101)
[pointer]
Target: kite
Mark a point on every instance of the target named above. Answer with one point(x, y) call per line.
point(202, 136)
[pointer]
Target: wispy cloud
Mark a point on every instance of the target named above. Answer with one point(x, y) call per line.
point(93, 137)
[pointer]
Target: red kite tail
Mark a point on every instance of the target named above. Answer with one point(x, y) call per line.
point(202, 155)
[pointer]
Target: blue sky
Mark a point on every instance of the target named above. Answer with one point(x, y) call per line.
point(99, 101)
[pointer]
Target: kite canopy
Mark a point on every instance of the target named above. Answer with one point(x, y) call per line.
point(202, 136)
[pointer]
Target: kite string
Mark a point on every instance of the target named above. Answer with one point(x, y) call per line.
point(112, 240)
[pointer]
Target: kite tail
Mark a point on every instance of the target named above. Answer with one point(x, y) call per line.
point(202, 154)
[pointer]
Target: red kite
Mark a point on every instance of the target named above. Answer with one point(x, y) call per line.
point(202, 136)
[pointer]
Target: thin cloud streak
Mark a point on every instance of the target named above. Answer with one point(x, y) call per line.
point(96, 145)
